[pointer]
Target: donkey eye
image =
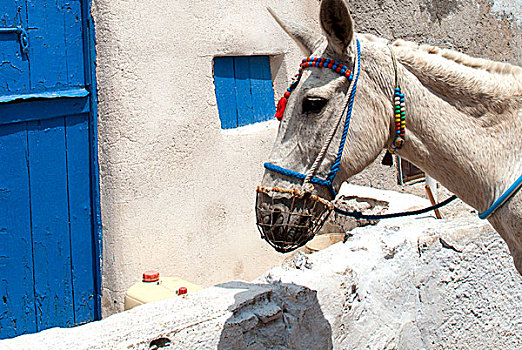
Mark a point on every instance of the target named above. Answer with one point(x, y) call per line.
point(313, 104)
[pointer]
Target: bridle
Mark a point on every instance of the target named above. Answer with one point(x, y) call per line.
point(310, 178)
point(305, 212)
point(326, 206)
point(399, 112)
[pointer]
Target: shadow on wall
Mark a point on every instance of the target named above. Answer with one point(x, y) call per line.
point(280, 316)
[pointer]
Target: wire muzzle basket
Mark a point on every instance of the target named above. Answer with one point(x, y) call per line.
point(288, 218)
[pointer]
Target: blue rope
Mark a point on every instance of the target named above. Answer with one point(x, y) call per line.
point(296, 175)
point(499, 202)
point(335, 167)
point(337, 163)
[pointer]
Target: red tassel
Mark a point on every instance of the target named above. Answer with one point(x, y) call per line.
point(281, 105)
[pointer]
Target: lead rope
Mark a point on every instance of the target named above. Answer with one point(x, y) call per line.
point(307, 186)
point(358, 215)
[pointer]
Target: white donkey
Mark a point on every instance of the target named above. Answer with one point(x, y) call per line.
point(463, 126)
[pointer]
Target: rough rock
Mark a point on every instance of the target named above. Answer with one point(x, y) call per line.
point(417, 284)
point(411, 283)
point(368, 200)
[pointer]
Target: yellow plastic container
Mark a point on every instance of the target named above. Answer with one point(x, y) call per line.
point(154, 288)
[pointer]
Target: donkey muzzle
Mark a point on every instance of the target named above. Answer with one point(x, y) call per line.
point(288, 218)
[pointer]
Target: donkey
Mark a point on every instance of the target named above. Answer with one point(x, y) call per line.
point(463, 126)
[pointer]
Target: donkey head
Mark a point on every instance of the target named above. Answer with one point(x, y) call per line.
point(288, 219)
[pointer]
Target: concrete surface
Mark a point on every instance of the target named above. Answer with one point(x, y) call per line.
point(178, 193)
point(411, 283)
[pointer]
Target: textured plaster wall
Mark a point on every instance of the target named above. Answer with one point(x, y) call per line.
point(177, 192)
point(484, 28)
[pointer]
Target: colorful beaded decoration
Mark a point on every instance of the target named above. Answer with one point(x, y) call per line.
point(400, 118)
point(311, 62)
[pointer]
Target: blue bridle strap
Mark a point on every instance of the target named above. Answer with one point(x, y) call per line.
point(503, 199)
point(337, 163)
point(328, 182)
point(297, 175)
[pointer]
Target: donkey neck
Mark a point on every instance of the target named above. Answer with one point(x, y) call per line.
point(471, 149)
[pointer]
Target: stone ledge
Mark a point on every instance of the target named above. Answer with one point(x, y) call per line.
point(235, 315)
point(408, 283)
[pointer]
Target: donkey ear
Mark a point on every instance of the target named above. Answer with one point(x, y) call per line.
point(306, 38)
point(337, 24)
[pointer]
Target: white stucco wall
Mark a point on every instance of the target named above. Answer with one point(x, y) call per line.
point(177, 193)
point(509, 8)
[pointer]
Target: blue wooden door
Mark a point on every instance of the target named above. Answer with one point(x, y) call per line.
point(49, 270)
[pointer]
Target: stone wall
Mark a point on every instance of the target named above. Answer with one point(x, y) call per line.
point(410, 283)
point(178, 192)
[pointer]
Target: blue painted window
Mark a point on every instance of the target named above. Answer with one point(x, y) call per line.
point(244, 90)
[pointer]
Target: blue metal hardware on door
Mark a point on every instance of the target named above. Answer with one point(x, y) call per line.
point(22, 35)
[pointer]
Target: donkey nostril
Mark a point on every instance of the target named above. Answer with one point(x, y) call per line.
point(277, 216)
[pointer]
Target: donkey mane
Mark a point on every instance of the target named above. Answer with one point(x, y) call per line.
point(476, 86)
point(463, 59)
point(455, 56)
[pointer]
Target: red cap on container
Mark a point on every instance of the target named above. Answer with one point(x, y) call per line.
point(182, 290)
point(151, 276)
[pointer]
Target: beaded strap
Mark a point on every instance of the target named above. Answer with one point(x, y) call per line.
point(320, 62)
point(327, 63)
point(400, 118)
point(399, 108)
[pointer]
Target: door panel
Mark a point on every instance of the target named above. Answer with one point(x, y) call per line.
point(244, 102)
point(49, 207)
point(80, 216)
point(74, 43)
point(17, 307)
point(56, 50)
point(49, 271)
